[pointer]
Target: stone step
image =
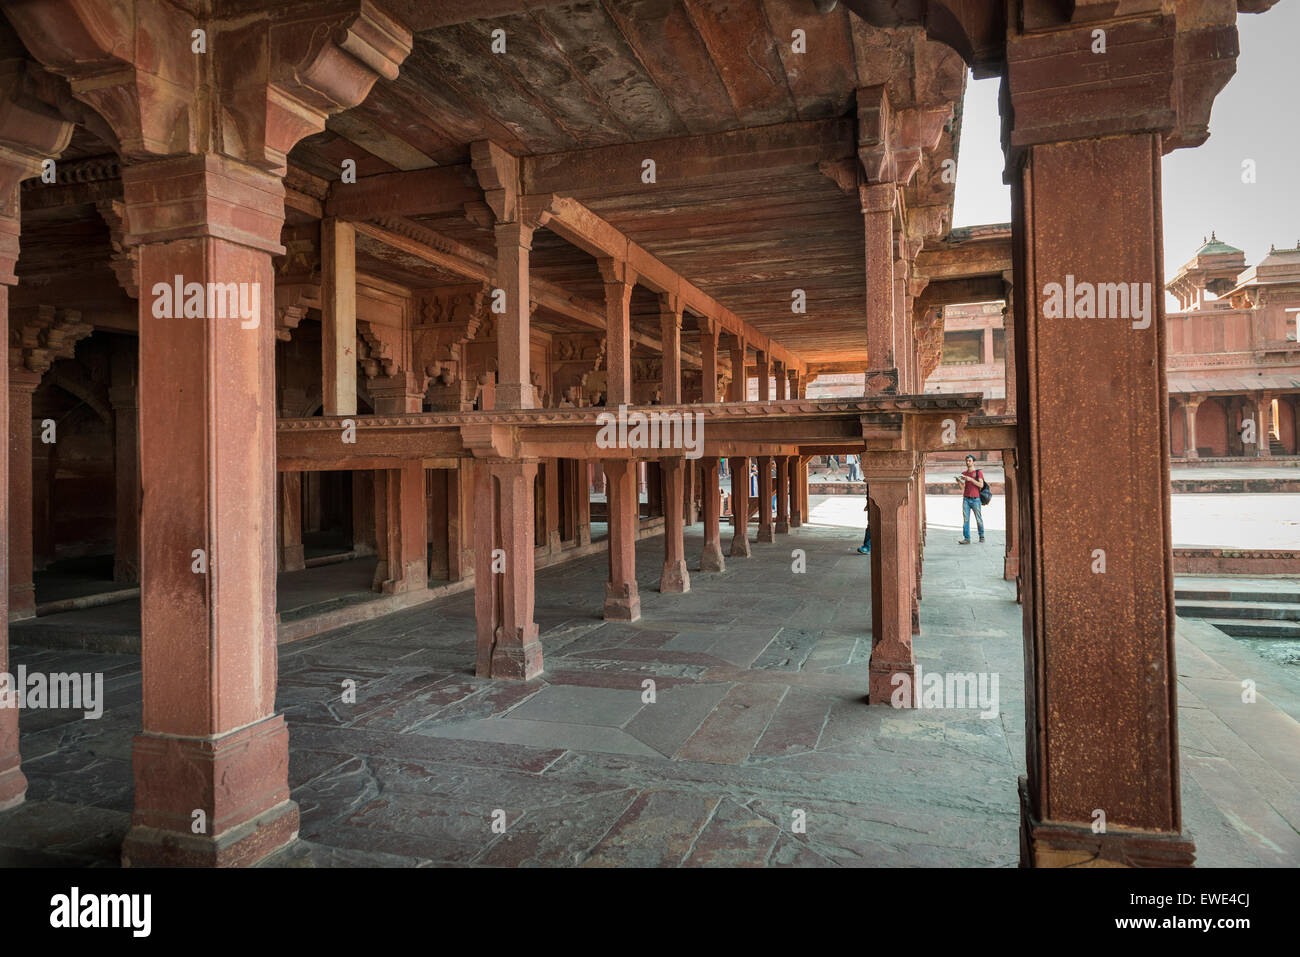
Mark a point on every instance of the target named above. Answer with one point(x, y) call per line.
point(1263, 610)
point(1246, 596)
point(1215, 589)
point(1244, 628)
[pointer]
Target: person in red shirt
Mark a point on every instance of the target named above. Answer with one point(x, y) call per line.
point(973, 480)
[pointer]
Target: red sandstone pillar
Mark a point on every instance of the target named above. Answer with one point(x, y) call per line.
point(622, 600)
point(22, 592)
point(739, 506)
point(514, 388)
point(1009, 346)
point(892, 662)
point(739, 381)
point(1098, 602)
point(711, 560)
point(803, 489)
point(292, 558)
point(914, 555)
point(878, 212)
point(619, 282)
point(551, 494)
point(582, 476)
point(1263, 424)
point(1190, 405)
point(1010, 498)
point(13, 783)
point(782, 492)
point(211, 740)
point(690, 498)
point(766, 533)
point(508, 645)
point(338, 253)
point(364, 539)
point(400, 497)
point(764, 377)
point(126, 462)
point(675, 577)
point(709, 330)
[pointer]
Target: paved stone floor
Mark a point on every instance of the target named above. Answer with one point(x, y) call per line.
point(757, 724)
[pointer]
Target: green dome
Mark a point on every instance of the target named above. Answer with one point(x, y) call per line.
point(1213, 247)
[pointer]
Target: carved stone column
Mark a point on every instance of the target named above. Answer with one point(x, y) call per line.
point(508, 645)
point(782, 493)
point(739, 506)
point(711, 560)
point(765, 530)
point(622, 600)
point(893, 486)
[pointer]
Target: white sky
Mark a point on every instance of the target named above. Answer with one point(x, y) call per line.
point(1255, 117)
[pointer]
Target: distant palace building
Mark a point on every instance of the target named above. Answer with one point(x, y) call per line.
point(1233, 356)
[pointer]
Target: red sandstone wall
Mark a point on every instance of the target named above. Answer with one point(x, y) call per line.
point(1222, 561)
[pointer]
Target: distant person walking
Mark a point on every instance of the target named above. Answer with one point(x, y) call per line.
point(973, 480)
point(854, 474)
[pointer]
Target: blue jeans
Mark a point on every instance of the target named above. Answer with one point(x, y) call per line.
point(969, 505)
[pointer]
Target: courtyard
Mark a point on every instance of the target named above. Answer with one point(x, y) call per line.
point(757, 749)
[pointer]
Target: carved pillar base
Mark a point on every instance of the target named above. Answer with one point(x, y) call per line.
point(239, 781)
point(1044, 844)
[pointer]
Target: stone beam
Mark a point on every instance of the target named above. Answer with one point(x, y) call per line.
point(950, 292)
point(572, 221)
point(690, 160)
point(454, 257)
point(439, 189)
point(967, 253)
point(877, 422)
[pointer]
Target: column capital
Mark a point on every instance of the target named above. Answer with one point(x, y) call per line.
point(890, 469)
point(1162, 76)
point(273, 80)
point(203, 196)
point(514, 233)
point(878, 198)
point(616, 272)
point(670, 308)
